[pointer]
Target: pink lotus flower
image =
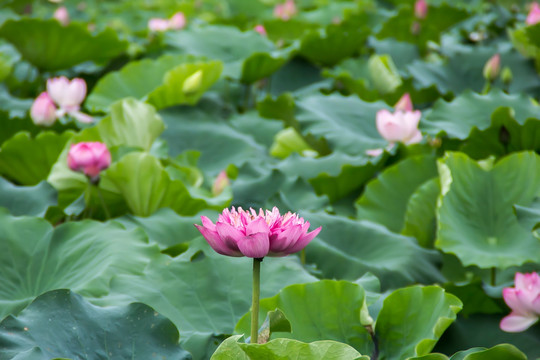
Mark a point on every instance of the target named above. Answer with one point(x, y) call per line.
point(43, 111)
point(260, 29)
point(492, 68)
point(534, 14)
point(176, 22)
point(404, 103)
point(420, 9)
point(400, 126)
point(286, 10)
point(221, 182)
point(62, 15)
point(89, 158)
point(256, 235)
point(524, 300)
point(68, 95)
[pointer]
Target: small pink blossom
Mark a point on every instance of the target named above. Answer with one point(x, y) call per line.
point(420, 9)
point(221, 182)
point(89, 158)
point(256, 235)
point(62, 15)
point(492, 68)
point(260, 29)
point(156, 24)
point(534, 14)
point(404, 103)
point(286, 10)
point(176, 22)
point(524, 300)
point(400, 126)
point(43, 111)
point(68, 95)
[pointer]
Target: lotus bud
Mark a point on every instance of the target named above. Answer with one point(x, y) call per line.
point(534, 14)
point(43, 111)
point(193, 82)
point(420, 9)
point(506, 75)
point(89, 158)
point(177, 21)
point(492, 68)
point(404, 103)
point(221, 182)
point(524, 300)
point(260, 29)
point(62, 15)
point(156, 24)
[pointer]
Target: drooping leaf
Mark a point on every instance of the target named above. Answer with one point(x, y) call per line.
point(27, 200)
point(475, 217)
point(412, 320)
point(334, 316)
point(61, 323)
point(50, 46)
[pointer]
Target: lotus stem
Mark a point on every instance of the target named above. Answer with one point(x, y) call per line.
point(255, 300)
point(493, 276)
point(103, 204)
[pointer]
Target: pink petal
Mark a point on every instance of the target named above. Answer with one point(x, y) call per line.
point(536, 305)
point(517, 323)
point(257, 226)
point(81, 117)
point(415, 138)
point(285, 239)
point(56, 88)
point(255, 245)
point(215, 242)
point(229, 234)
point(207, 223)
point(374, 152)
point(404, 103)
point(303, 241)
point(510, 298)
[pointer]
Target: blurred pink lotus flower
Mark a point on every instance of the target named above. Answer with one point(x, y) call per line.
point(62, 15)
point(43, 111)
point(534, 14)
point(89, 158)
point(524, 300)
point(221, 182)
point(176, 22)
point(256, 235)
point(404, 103)
point(286, 10)
point(492, 68)
point(260, 29)
point(68, 95)
point(420, 9)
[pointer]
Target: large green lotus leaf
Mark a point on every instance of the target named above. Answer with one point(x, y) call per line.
point(335, 42)
point(336, 175)
point(412, 320)
point(528, 216)
point(61, 323)
point(474, 111)
point(324, 310)
point(286, 349)
point(28, 160)
point(483, 330)
point(204, 129)
point(146, 186)
point(13, 125)
point(225, 43)
point(420, 216)
point(263, 130)
point(463, 71)
point(204, 294)
point(475, 214)
point(505, 135)
point(50, 46)
point(289, 31)
point(440, 18)
point(402, 53)
point(82, 256)
point(385, 198)
point(136, 79)
point(176, 88)
point(263, 64)
point(347, 123)
point(27, 200)
point(16, 107)
point(346, 249)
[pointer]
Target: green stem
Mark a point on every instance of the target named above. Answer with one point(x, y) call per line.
point(493, 276)
point(303, 256)
point(255, 300)
point(103, 204)
point(487, 87)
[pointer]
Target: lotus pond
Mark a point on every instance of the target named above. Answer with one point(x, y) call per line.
point(269, 179)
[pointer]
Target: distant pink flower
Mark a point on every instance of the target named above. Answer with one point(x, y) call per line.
point(67, 94)
point(524, 300)
point(534, 14)
point(492, 68)
point(62, 15)
point(176, 22)
point(286, 10)
point(260, 29)
point(221, 182)
point(256, 235)
point(43, 111)
point(89, 158)
point(400, 126)
point(404, 103)
point(420, 9)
